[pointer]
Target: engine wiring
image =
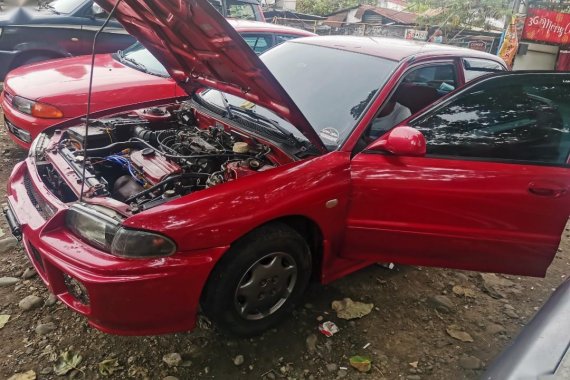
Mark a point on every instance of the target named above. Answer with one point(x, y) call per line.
point(126, 164)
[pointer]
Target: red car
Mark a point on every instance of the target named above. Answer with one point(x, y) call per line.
point(38, 96)
point(287, 168)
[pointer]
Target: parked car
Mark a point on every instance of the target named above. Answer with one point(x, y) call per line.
point(232, 201)
point(542, 349)
point(65, 28)
point(38, 96)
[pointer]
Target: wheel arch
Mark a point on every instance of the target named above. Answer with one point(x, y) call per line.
point(309, 230)
point(28, 51)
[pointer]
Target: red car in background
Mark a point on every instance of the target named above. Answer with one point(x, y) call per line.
point(38, 96)
point(317, 158)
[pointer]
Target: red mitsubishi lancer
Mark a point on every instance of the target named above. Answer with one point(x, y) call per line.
point(320, 157)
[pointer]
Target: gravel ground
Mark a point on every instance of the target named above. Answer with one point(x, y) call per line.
point(408, 335)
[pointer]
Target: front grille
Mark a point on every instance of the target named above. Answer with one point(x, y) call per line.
point(37, 201)
point(8, 96)
point(36, 256)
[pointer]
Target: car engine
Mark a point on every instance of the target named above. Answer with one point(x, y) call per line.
point(147, 161)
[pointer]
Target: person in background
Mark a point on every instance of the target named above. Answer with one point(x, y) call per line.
point(437, 37)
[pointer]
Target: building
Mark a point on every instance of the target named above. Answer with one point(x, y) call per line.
point(368, 14)
point(544, 35)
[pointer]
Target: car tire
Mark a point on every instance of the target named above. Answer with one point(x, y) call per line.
point(259, 281)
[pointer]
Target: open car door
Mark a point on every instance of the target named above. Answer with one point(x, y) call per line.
point(492, 191)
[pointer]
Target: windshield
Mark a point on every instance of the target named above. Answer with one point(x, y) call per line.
point(139, 57)
point(238, 9)
point(331, 87)
point(65, 6)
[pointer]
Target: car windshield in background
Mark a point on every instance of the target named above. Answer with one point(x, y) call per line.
point(64, 6)
point(237, 9)
point(140, 58)
point(241, 11)
point(331, 87)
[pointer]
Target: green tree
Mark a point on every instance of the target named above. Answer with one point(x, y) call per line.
point(325, 7)
point(460, 13)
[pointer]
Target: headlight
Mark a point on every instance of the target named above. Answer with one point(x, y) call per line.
point(93, 227)
point(101, 228)
point(36, 109)
point(38, 146)
point(141, 244)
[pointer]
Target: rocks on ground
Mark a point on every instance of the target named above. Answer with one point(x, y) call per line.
point(7, 245)
point(31, 302)
point(470, 362)
point(45, 328)
point(8, 281)
point(239, 360)
point(173, 359)
point(442, 303)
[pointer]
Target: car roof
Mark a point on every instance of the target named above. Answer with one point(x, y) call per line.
point(394, 49)
point(264, 27)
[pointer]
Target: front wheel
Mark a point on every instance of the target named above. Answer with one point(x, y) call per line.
point(259, 281)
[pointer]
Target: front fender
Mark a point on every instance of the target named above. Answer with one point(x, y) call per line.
point(221, 215)
point(25, 47)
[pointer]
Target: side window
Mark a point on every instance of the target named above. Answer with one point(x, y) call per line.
point(440, 77)
point(280, 38)
point(474, 68)
point(419, 88)
point(523, 118)
point(258, 42)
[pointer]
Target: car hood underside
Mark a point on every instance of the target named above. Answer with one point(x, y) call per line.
point(199, 48)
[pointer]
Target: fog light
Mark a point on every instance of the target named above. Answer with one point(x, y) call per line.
point(76, 289)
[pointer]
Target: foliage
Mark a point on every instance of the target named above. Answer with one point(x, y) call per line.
point(460, 13)
point(66, 362)
point(326, 7)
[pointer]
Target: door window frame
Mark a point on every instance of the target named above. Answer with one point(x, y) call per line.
point(450, 98)
point(459, 78)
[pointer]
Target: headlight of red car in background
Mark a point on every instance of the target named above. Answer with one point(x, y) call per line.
point(100, 228)
point(36, 109)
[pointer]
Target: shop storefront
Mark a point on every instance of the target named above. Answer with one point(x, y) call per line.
point(545, 43)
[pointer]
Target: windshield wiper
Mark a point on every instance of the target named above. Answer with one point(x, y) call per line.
point(137, 64)
point(267, 121)
point(51, 8)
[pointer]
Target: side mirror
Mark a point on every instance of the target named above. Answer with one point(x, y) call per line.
point(401, 141)
point(97, 9)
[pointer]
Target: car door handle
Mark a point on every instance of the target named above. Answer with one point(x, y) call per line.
point(547, 189)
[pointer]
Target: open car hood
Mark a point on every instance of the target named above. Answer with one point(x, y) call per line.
point(199, 48)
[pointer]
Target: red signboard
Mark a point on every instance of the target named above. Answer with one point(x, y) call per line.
point(547, 26)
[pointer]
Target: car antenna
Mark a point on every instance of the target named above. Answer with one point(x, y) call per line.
point(88, 114)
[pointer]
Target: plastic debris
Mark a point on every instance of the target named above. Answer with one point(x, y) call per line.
point(366, 346)
point(390, 266)
point(349, 309)
point(361, 363)
point(328, 328)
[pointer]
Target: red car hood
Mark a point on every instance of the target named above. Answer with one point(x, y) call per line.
point(71, 75)
point(199, 48)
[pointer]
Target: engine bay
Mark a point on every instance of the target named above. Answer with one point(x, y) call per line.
point(152, 157)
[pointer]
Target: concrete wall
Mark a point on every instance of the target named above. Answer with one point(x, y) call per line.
point(538, 57)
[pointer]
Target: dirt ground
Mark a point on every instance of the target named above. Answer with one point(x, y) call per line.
point(407, 335)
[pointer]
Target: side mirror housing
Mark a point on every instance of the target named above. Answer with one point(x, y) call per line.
point(97, 10)
point(401, 141)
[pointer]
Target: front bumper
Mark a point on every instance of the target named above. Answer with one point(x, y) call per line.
point(126, 297)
